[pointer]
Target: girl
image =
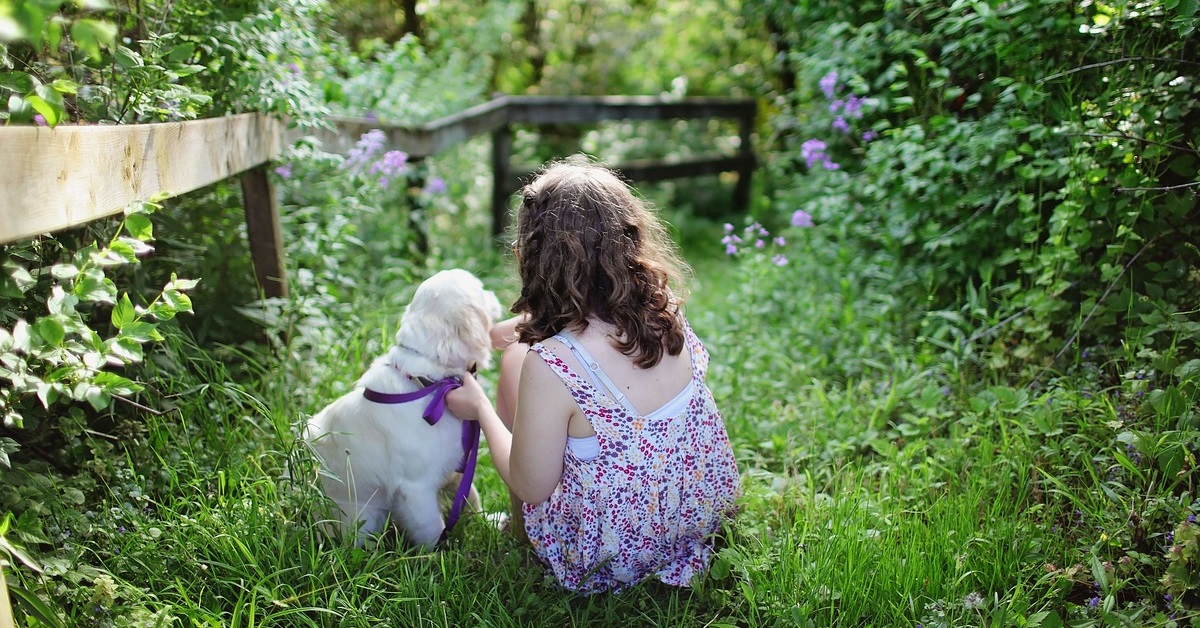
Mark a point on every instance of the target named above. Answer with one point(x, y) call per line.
point(614, 449)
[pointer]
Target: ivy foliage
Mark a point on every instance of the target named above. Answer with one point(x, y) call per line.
point(58, 356)
point(1042, 155)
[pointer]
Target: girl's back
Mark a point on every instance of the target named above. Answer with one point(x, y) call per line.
point(646, 498)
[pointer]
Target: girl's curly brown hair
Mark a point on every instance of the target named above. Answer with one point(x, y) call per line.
point(586, 246)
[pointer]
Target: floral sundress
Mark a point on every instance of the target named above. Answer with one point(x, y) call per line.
point(650, 501)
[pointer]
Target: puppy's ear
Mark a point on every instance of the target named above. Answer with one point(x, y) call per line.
point(472, 328)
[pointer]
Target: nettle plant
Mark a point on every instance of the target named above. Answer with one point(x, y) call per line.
point(84, 60)
point(68, 354)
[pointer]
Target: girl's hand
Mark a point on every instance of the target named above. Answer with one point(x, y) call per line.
point(504, 333)
point(468, 402)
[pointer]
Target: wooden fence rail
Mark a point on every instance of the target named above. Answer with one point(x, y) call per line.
point(52, 179)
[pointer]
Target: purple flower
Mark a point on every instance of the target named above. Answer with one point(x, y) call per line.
point(1094, 601)
point(435, 185)
point(829, 84)
point(730, 249)
point(728, 228)
point(867, 136)
point(835, 105)
point(1191, 519)
point(39, 119)
point(840, 124)
point(284, 171)
point(813, 151)
point(780, 241)
point(365, 149)
point(853, 107)
point(294, 69)
point(801, 218)
point(758, 244)
point(779, 260)
point(392, 163)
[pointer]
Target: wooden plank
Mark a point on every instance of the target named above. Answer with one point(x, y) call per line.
point(439, 135)
point(647, 170)
point(417, 141)
point(584, 110)
point(61, 177)
point(265, 234)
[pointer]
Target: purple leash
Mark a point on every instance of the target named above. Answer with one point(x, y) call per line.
point(433, 413)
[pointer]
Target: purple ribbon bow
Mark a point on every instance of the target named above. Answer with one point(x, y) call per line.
point(432, 414)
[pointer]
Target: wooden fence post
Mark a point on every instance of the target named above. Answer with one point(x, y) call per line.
point(741, 192)
point(265, 234)
point(501, 173)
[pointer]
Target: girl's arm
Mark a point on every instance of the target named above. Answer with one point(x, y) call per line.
point(470, 403)
point(504, 333)
point(539, 435)
point(529, 458)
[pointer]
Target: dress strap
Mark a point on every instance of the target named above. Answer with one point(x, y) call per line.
point(599, 378)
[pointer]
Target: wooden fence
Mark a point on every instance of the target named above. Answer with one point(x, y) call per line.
point(52, 179)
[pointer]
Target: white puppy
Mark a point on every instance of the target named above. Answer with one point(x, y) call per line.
point(383, 460)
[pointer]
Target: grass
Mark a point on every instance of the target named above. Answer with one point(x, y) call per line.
point(887, 481)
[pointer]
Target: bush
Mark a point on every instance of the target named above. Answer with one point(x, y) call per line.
point(1034, 154)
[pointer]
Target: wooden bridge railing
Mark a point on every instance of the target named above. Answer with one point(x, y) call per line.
point(52, 179)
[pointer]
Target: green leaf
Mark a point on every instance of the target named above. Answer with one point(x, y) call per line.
point(50, 330)
point(93, 286)
point(139, 226)
point(47, 110)
point(98, 399)
point(138, 247)
point(1188, 370)
point(123, 250)
point(20, 336)
point(19, 109)
point(142, 331)
point(20, 276)
point(123, 313)
point(30, 17)
point(181, 53)
point(125, 349)
point(90, 35)
point(64, 272)
point(47, 394)
point(177, 301)
point(18, 82)
point(64, 86)
point(117, 384)
point(54, 31)
point(128, 59)
point(182, 284)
